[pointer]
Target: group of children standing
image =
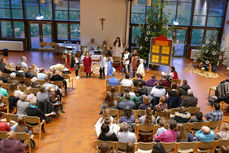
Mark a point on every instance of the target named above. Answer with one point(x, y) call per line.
point(131, 63)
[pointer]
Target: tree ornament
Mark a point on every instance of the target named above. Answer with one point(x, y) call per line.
point(148, 26)
point(148, 32)
point(146, 38)
point(140, 47)
point(214, 53)
point(206, 51)
point(213, 43)
point(207, 62)
point(203, 45)
point(207, 42)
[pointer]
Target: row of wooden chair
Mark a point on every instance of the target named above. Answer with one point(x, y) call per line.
point(176, 81)
point(150, 130)
point(51, 46)
point(31, 121)
point(21, 136)
point(115, 113)
point(174, 147)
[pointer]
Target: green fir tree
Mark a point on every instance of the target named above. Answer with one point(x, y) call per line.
point(156, 25)
point(211, 52)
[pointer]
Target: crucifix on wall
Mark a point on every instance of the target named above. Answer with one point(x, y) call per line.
point(102, 21)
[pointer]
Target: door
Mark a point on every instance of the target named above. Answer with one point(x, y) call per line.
point(39, 32)
point(180, 48)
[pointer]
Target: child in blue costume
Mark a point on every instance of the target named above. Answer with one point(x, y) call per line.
point(109, 66)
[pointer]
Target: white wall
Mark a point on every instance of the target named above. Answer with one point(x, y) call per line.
point(225, 38)
point(114, 11)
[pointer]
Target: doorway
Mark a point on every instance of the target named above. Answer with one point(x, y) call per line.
point(39, 32)
point(180, 48)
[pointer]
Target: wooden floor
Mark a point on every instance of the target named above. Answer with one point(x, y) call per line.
point(73, 132)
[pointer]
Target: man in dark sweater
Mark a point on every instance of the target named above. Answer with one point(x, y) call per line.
point(184, 88)
point(190, 100)
point(139, 79)
point(30, 73)
point(2, 64)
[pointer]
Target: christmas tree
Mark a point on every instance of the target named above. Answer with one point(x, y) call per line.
point(156, 25)
point(211, 53)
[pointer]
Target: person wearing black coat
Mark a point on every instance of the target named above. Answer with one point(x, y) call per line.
point(105, 135)
point(58, 77)
point(2, 64)
point(184, 88)
point(189, 100)
point(30, 73)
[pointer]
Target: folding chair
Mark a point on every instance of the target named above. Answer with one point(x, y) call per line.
point(207, 146)
point(169, 147)
point(6, 106)
point(193, 110)
point(33, 121)
point(211, 89)
point(195, 126)
point(141, 129)
point(187, 147)
point(67, 78)
point(114, 113)
point(214, 125)
point(3, 135)
point(25, 137)
point(177, 81)
point(121, 147)
point(110, 144)
point(145, 146)
point(43, 46)
point(12, 117)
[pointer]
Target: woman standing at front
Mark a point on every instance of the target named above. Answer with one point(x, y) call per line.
point(118, 48)
point(87, 65)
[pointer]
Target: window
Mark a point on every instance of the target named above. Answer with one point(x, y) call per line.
point(61, 10)
point(138, 12)
point(4, 9)
point(19, 30)
point(32, 9)
point(16, 6)
point(135, 33)
point(46, 10)
point(6, 29)
point(62, 31)
point(178, 10)
point(170, 11)
point(211, 33)
point(209, 13)
point(215, 15)
point(184, 13)
point(75, 32)
point(74, 10)
point(197, 37)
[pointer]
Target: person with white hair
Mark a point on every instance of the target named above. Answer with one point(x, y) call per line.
point(12, 78)
point(34, 83)
point(190, 100)
point(205, 134)
point(125, 136)
point(141, 69)
point(22, 104)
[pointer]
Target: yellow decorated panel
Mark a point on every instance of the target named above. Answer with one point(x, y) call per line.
point(155, 49)
point(155, 58)
point(164, 59)
point(165, 50)
point(161, 43)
